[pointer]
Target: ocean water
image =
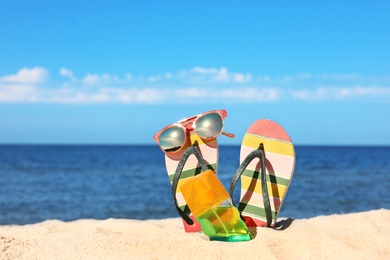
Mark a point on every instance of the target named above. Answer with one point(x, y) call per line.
point(69, 182)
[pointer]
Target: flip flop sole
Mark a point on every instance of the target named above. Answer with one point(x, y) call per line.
point(209, 152)
point(279, 162)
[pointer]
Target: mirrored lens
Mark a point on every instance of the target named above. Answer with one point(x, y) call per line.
point(172, 139)
point(209, 126)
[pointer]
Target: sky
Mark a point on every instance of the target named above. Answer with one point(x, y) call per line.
point(116, 72)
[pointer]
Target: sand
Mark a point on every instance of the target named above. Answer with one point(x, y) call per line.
point(364, 235)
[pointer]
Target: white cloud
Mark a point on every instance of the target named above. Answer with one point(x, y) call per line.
point(265, 78)
point(166, 76)
point(341, 93)
point(67, 74)
point(249, 94)
point(22, 86)
point(105, 79)
point(196, 85)
point(108, 95)
point(338, 76)
point(372, 91)
point(211, 95)
point(18, 93)
point(214, 75)
point(302, 94)
point(91, 79)
point(35, 75)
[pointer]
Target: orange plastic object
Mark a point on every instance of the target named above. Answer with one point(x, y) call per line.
point(203, 192)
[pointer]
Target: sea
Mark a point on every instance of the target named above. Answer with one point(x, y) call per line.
point(70, 182)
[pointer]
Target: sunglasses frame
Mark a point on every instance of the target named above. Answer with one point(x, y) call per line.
point(184, 123)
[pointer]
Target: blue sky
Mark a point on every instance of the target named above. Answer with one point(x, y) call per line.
point(118, 71)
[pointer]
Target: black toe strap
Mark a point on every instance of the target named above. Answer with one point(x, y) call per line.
point(190, 150)
point(258, 153)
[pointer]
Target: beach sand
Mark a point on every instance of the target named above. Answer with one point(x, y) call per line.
point(364, 235)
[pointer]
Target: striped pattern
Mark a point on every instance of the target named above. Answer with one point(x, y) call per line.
point(279, 162)
point(209, 152)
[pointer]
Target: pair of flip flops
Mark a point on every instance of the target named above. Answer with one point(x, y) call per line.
point(267, 162)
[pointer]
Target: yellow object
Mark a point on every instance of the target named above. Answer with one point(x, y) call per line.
point(212, 207)
point(202, 192)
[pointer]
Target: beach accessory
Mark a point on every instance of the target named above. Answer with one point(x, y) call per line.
point(177, 176)
point(207, 148)
point(212, 207)
point(267, 160)
point(208, 125)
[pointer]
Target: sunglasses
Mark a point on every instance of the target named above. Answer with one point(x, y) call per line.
point(208, 125)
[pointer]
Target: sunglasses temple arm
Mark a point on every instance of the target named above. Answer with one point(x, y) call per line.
point(228, 134)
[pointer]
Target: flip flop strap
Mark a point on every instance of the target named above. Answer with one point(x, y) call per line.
point(190, 150)
point(258, 153)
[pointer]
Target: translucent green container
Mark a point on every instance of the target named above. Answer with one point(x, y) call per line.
point(212, 207)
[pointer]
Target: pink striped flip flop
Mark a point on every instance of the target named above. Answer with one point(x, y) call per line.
point(267, 162)
point(208, 149)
